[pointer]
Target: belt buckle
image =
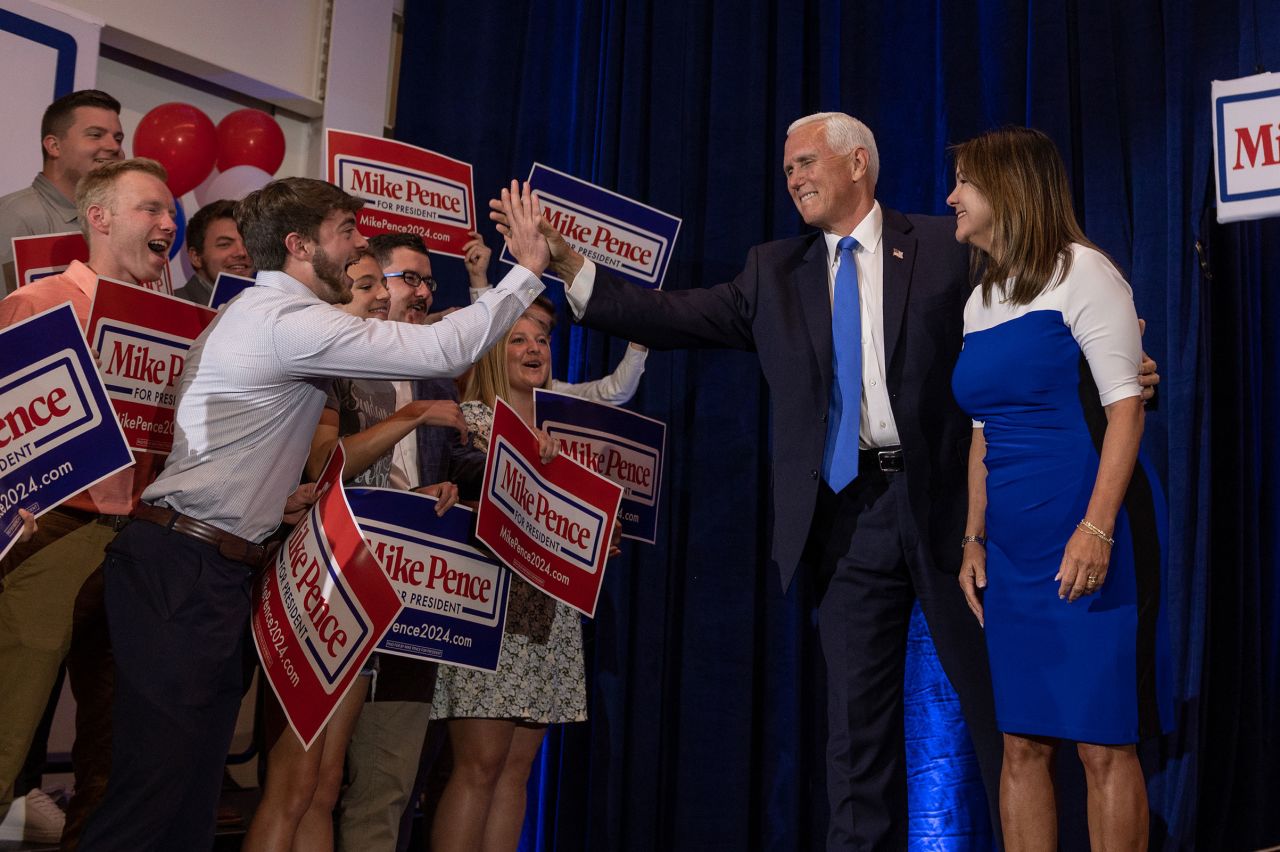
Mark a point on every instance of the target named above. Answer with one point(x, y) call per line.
point(890, 461)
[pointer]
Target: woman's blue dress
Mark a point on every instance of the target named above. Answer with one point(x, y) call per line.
point(1093, 670)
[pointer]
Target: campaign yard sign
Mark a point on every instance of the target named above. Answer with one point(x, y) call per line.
point(227, 287)
point(405, 188)
point(550, 523)
point(454, 595)
point(58, 435)
point(621, 445)
point(46, 254)
point(320, 609)
point(1246, 146)
point(632, 239)
point(42, 255)
point(142, 339)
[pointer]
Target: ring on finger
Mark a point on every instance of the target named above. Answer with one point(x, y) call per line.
point(1091, 581)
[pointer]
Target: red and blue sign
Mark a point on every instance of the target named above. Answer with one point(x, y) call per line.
point(625, 447)
point(46, 254)
point(631, 239)
point(454, 594)
point(42, 255)
point(550, 523)
point(58, 435)
point(320, 609)
point(405, 189)
point(142, 339)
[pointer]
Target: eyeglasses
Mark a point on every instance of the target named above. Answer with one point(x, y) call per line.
point(414, 280)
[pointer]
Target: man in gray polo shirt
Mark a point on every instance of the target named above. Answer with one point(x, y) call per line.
point(79, 132)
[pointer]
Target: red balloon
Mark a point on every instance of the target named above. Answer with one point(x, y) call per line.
point(250, 137)
point(183, 139)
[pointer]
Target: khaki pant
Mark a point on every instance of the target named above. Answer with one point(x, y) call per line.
point(382, 759)
point(37, 598)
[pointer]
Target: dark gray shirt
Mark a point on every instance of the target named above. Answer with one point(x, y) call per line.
point(38, 209)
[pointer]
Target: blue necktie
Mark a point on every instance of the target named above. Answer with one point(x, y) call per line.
point(840, 459)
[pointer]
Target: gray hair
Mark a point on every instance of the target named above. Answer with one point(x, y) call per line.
point(844, 133)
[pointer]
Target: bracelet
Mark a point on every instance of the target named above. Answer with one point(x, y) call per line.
point(976, 539)
point(1085, 527)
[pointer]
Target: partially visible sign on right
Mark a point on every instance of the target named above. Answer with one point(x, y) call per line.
point(1246, 146)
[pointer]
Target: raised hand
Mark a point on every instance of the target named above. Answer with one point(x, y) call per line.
point(475, 257)
point(521, 214)
point(439, 412)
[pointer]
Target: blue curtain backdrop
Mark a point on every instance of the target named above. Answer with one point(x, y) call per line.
point(705, 680)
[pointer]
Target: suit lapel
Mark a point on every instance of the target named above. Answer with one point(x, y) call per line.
point(899, 251)
point(810, 281)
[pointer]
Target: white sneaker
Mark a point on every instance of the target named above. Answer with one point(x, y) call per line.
point(34, 818)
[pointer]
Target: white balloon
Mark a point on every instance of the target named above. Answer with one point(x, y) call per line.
point(235, 183)
point(201, 192)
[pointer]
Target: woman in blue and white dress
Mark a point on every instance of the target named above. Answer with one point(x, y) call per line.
point(1062, 552)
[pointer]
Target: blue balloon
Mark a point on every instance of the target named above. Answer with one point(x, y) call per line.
point(180, 219)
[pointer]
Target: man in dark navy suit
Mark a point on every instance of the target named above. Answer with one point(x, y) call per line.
point(891, 535)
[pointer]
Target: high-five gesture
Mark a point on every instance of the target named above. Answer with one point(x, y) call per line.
point(521, 215)
point(565, 262)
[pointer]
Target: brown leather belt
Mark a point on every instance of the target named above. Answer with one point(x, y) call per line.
point(230, 546)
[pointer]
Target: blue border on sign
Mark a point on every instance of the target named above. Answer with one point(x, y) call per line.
point(436, 544)
point(586, 509)
point(63, 44)
point(106, 325)
point(343, 159)
point(340, 585)
point(86, 401)
point(1218, 106)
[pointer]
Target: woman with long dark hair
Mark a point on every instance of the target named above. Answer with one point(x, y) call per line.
point(1061, 553)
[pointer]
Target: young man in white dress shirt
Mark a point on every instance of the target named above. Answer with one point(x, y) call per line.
point(178, 578)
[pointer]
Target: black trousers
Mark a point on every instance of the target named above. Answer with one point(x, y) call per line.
point(866, 549)
point(177, 612)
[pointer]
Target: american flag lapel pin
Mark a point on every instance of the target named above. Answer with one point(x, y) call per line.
point(897, 253)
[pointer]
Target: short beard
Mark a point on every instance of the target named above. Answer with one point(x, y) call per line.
point(332, 278)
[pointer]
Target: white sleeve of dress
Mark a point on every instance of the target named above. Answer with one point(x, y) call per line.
point(971, 307)
point(616, 388)
point(1100, 313)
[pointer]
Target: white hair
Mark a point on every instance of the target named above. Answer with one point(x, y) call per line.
point(844, 133)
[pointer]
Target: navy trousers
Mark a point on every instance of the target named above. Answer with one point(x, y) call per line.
point(875, 566)
point(178, 613)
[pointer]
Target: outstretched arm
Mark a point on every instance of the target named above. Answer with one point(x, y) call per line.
point(365, 448)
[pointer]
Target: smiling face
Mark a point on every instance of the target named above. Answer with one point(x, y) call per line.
point(130, 235)
point(337, 246)
point(528, 355)
point(94, 137)
point(409, 304)
point(974, 221)
point(831, 191)
point(223, 251)
point(369, 296)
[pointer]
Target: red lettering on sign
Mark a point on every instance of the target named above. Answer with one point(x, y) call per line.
point(620, 247)
point(618, 468)
point(458, 583)
point(24, 418)
point(1262, 141)
point(567, 224)
point(560, 525)
point(314, 603)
